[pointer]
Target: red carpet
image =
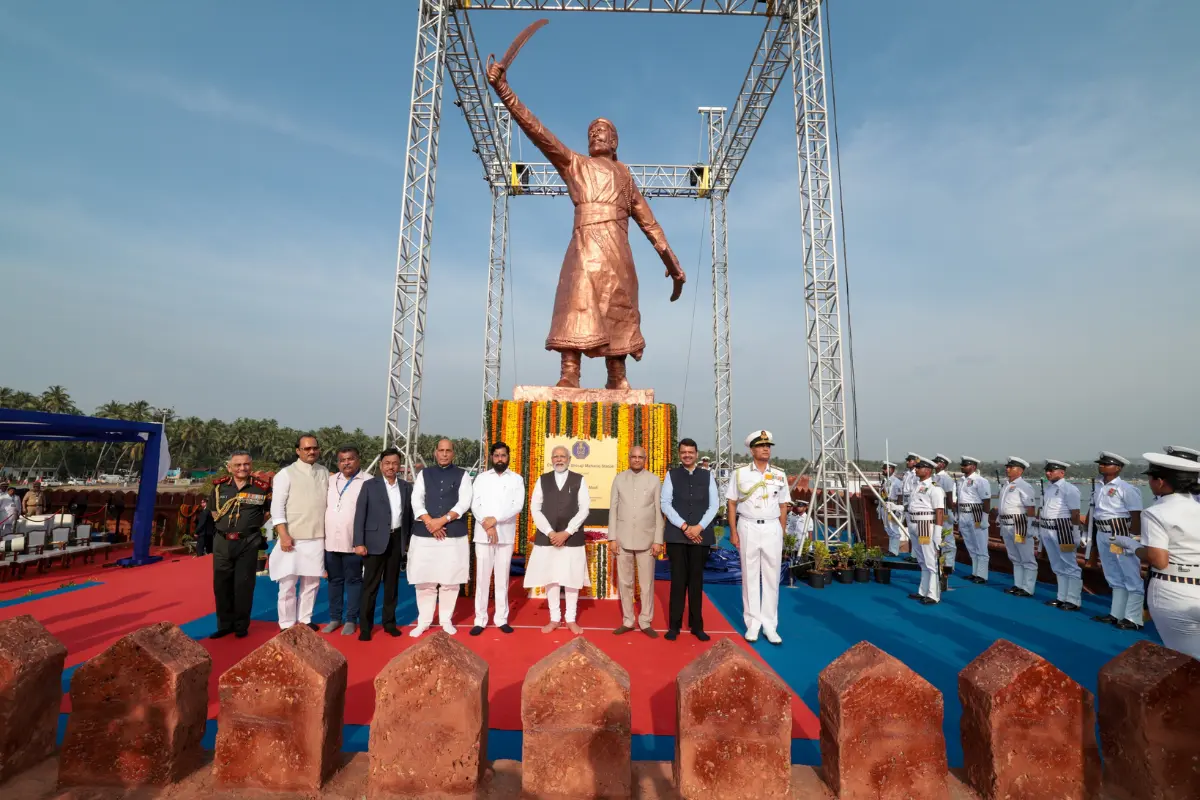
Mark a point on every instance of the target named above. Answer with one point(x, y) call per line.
point(180, 591)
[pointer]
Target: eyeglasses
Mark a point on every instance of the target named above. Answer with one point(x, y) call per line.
point(308, 449)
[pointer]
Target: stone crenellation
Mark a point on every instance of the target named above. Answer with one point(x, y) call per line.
point(1028, 730)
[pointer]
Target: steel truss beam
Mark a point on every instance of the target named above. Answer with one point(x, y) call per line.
point(654, 180)
point(497, 257)
point(714, 123)
point(822, 308)
point(470, 83)
point(403, 421)
point(729, 7)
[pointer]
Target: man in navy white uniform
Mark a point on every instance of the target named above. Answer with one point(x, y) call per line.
point(949, 545)
point(891, 511)
point(926, 513)
point(439, 560)
point(1116, 511)
point(1187, 453)
point(1059, 524)
point(497, 497)
point(1014, 513)
point(973, 506)
point(907, 483)
point(758, 498)
point(1171, 546)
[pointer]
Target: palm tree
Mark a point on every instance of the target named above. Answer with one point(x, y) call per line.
point(139, 411)
point(189, 434)
point(111, 410)
point(56, 400)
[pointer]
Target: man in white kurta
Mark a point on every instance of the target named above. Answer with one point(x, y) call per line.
point(559, 507)
point(497, 498)
point(299, 496)
point(439, 561)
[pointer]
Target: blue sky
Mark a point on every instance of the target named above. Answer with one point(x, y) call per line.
point(200, 205)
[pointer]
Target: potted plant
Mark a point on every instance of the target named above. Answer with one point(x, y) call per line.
point(841, 564)
point(818, 577)
point(883, 573)
point(858, 557)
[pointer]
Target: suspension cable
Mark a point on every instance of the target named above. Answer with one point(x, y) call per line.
point(692, 330)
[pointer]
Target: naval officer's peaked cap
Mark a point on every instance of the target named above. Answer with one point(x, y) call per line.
point(969, 460)
point(760, 437)
point(1056, 463)
point(1182, 452)
point(1112, 459)
point(1013, 461)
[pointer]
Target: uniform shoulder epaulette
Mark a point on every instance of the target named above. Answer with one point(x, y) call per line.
point(260, 483)
point(225, 479)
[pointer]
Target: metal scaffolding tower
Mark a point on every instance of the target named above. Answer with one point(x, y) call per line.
point(792, 38)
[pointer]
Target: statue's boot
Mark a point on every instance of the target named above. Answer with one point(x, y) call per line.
point(569, 379)
point(616, 373)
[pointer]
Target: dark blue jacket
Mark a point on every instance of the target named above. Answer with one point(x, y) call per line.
point(373, 516)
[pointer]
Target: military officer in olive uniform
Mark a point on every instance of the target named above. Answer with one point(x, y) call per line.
point(240, 506)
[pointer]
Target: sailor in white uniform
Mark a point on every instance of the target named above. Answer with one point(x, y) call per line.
point(1171, 546)
point(758, 499)
point(891, 511)
point(926, 513)
point(973, 505)
point(1014, 512)
point(1116, 511)
point(1190, 454)
point(949, 544)
point(1059, 524)
point(909, 482)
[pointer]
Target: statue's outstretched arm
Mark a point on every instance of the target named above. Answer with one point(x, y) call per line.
point(555, 151)
point(644, 217)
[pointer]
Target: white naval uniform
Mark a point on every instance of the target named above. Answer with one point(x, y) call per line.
point(1015, 497)
point(892, 496)
point(973, 492)
point(1173, 524)
point(438, 567)
point(907, 484)
point(500, 495)
point(1060, 538)
point(925, 534)
point(1112, 503)
point(561, 570)
point(949, 544)
point(305, 564)
point(759, 496)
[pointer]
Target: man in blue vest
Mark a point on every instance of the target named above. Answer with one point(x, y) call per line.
point(689, 502)
point(439, 558)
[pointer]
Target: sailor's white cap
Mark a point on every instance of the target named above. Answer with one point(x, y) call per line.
point(889, 463)
point(1013, 461)
point(760, 437)
point(1056, 463)
point(911, 456)
point(1182, 452)
point(941, 458)
point(922, 461)
point(1174, 463)
point(969, 460)
point(1112, 459)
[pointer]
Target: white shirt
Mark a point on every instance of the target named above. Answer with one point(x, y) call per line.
point(500, 495)
point(759, 494)
point(891, 488)
point(535, 505)
point(945, 483)
point(464, 496)
point(974, 490)
point(907, 484)
point(799, 524)
point(395, 499)
point(1173, 524)
point(1015, 497)
point(1060, 499)
point(926, 498)
point(1115, 499)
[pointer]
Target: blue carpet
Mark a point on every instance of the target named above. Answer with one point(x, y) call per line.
point(16, 601)
point(937, 642)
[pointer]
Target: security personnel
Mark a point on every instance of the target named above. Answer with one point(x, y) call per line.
point(890, 509)
point(973, 505)
point(926, 513)
point(1014, 511)
point(240, 506)
point(758, 501)
point(949, 544)
point(1059, 524)
point(907, 484)
point(1116, 511)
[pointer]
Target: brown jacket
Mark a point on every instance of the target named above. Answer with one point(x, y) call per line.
point(635, 520)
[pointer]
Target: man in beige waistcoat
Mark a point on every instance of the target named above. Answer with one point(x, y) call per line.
point(635, 523)
point(299, 497)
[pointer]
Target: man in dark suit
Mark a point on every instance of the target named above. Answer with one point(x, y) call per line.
point(382, 526)
point(204, 530)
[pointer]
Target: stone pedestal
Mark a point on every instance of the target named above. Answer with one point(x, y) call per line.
point(138, 711)
point(280, 726)
point(1028, 731)
point(542, 394)
point(429, 733)
point(31, 665)
point(734, 732)
point(881, 728)
point(1150, 724)
point(576, 721)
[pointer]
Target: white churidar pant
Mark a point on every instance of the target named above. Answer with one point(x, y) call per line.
point(492, 560)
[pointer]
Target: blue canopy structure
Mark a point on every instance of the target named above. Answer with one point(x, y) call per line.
point(40, 426)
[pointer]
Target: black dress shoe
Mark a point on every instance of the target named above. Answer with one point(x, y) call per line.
point(929, 601)
point(313, 626)
point(1055, 603)
point(671, 635)
point(478, 629)
point(392, 630)
point(242, 634)
point(1023, 593)
point(220, 633)
point(364, 634)
point(1126, 625)
point(701, 635)
point(1012, 590)
point(506, 628)
point(915, 596)
point(1068, 607)
point(1109, 618)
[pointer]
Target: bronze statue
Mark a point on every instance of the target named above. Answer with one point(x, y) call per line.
point(596, 304)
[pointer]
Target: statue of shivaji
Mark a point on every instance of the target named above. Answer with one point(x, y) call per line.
point(596, 304)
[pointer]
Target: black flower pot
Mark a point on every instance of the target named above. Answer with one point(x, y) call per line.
point(883, 574)
point(801, 571)
point(862, 575)
point(817, 579)
point(845, 576)
point(828, 577)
